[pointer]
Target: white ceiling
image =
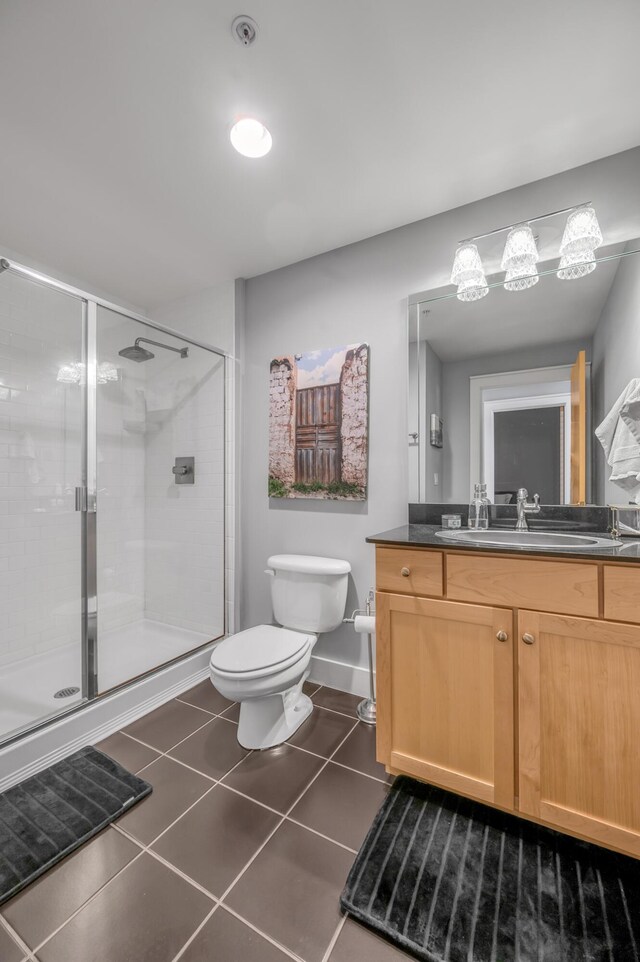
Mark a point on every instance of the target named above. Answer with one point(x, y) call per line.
point(115, 165)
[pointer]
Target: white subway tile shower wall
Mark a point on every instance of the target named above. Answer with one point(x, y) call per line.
point(211, 316)
point(121, 477)
point(184, 523)
point(40, 463)
point(160, 545)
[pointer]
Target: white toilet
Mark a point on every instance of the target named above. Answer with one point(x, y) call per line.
point(264, 668)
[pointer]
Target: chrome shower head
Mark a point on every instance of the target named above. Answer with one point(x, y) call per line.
point(136, 353)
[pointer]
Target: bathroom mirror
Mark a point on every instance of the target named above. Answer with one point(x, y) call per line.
point(509, 389)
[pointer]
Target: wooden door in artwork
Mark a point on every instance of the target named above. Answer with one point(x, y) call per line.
point(318, 434)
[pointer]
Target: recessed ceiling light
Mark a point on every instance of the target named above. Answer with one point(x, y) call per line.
point(251, 138)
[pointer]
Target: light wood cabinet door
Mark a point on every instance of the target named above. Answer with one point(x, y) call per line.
point(579, 726)
point(445, 694)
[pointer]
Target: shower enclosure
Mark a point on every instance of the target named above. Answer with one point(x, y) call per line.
point(112, 497)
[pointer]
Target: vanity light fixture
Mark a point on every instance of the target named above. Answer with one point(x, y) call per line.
point(582, 235)
point(107, 372)
point(251, 138)
point(468, 273)
point(520, 258)
point(70, 373)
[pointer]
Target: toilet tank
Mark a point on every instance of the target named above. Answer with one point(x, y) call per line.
point(308, 593)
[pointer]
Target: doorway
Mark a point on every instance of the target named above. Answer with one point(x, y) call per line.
point(529, 451)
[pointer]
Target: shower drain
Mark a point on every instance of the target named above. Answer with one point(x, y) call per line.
point(66, 692)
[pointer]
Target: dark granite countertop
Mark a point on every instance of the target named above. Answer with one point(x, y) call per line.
point(424, 535)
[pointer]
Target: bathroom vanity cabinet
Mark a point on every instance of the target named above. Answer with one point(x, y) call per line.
point(514, 680)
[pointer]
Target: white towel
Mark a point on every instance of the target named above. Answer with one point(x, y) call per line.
point(619, 435)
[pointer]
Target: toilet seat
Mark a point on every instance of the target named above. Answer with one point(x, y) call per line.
point(259, 652)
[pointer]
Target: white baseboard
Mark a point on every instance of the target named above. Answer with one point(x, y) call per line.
point(338, 674)
point(100, 718)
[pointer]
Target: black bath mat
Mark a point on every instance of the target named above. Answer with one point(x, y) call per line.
point(54, 812)
point(450, 880)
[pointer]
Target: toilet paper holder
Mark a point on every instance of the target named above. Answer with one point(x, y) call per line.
point(366, 709)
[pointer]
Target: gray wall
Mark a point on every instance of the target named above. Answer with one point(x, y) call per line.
point(456, 400)
point(616, 360)
point(359, 293)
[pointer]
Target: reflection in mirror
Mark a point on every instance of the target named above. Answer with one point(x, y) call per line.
point(509, 389)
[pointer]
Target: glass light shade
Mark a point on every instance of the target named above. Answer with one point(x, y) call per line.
point(73, 373)
point(520, 278)
point(472, 289)
point(467, 265)
point(251, 138)
point(573, 266)
point(520, 250)
point(106, 372)
point(70, 373)
point(582, 232)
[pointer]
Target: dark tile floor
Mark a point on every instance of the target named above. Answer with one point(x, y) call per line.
point(236, 856)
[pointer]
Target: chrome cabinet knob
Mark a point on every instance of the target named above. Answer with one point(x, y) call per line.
point(502, 636)
point(405, 572)
point(527, 638)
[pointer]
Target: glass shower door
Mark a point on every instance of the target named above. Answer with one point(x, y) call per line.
point(160, 483)
point(112, 498)
point(42, 412)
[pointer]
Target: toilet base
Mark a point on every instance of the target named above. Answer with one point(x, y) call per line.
point(269, 721)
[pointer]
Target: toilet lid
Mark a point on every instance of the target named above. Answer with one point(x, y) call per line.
point(262, 647)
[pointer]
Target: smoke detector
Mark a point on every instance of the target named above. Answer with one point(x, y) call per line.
point(244, 30)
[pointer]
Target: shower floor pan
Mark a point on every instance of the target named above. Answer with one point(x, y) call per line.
point(28, 687)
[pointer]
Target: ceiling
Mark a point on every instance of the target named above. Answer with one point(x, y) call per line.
point(115, 162)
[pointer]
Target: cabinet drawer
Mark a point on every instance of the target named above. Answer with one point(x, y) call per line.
point(556, 586)
point(422, 571)
point(622, 594)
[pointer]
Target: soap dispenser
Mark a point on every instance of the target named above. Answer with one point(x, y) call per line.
point(479, 507)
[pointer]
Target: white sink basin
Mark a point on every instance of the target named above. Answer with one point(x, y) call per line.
point(528, 539)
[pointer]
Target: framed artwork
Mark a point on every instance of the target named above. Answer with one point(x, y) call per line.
point(319, 424)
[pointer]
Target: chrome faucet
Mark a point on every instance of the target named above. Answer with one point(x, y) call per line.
point(525, 508)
